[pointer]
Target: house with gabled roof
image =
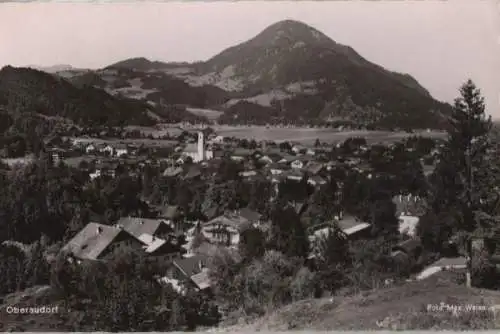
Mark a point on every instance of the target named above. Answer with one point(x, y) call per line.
point(120, 149)
point(297, 149)
point(270, 158)
point(277, 169)
point(287, 158)
point(138, 226)
point(352, 227)
point(297, 164)
point(314, 168)
point(169, 212)
point(226, 229)
point(95, 241)
point(250, 215)
point(192, 272)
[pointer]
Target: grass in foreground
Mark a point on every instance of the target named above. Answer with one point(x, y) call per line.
point(394, 308)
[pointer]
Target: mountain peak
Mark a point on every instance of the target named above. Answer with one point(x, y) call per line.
point(291, 31)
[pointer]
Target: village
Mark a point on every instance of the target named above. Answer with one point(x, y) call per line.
point(189, 245)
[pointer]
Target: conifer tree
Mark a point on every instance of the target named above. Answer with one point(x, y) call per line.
point(464, 182)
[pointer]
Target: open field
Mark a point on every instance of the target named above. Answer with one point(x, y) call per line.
point(306, 136)
point(132, 141)
point(208, 113)
point(309, 135)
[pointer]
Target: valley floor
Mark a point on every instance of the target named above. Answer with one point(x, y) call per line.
point(303, 135)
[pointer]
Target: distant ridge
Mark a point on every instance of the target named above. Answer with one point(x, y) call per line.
point(289, 73)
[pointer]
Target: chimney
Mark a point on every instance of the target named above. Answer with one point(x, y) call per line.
point(141, 222)
point(99, 230)
point(341, 214)
point(200, 265)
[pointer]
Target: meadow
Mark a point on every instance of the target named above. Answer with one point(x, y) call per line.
point(309, 135)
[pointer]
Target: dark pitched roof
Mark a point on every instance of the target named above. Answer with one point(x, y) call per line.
point(314, 167)
point(302, 158)
point(192, 265)
point(399, 256)
point(275, 157)
point(277, 166)
point(288, 157)
point(192, 173)
point(211, 212)
point(408, 246)
point(250, 214)
point(169, 211)
point(202, 280)
point(233, 220)
point(137, 226)
point(92, 240)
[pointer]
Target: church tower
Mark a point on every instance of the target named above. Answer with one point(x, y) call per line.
point(201, 146)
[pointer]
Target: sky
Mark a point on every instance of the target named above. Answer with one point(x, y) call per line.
point(440, 43)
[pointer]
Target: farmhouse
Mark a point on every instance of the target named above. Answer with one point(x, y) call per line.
point(276, 169)
point(226, 229)
point(137, 226)
point(270, 158)
point(90, 148)
point(297, 164)
point(95, 241)
point(297, 149)
point(192, 272)
point(106, 149)
point(120, 150)
point(314, 168)
point(350, 226)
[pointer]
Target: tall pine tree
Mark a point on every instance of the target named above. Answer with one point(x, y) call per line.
point(464, 182)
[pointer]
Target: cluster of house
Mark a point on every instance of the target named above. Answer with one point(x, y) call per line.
point(277, 164)
point(169, 239)
point(188, 248)
point(163, 238)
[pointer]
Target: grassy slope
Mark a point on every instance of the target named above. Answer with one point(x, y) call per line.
point(398, 307)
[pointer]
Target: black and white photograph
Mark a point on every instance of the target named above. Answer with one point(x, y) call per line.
point(249, 166)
